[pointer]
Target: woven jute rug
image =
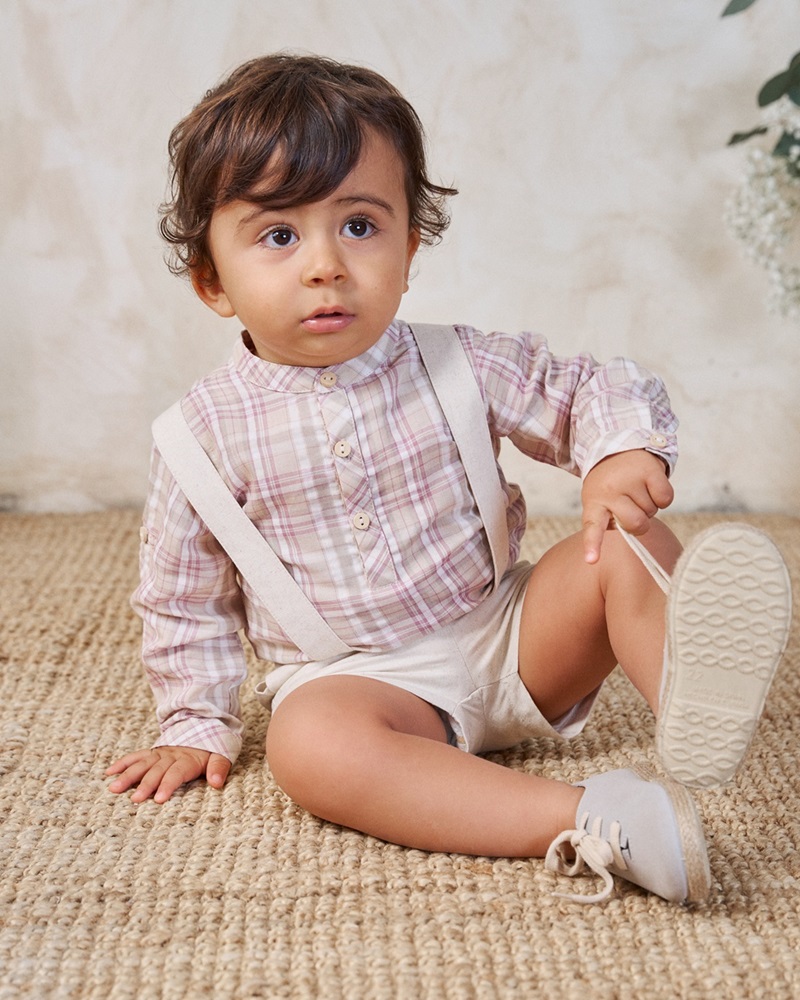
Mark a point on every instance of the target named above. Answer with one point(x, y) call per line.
point(240, 894)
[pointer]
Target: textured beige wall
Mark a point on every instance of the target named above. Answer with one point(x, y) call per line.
point(587, 138)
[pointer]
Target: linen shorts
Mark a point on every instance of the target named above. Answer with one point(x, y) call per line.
point(468, 670)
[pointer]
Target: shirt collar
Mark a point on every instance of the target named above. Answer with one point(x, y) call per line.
point(286, 378)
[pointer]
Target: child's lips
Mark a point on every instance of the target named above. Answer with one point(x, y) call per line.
point(328, 320)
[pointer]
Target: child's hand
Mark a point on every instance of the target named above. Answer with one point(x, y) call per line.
point(161, 771)
point(630, 487)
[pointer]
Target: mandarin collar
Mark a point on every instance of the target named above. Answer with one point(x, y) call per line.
point(287, 378)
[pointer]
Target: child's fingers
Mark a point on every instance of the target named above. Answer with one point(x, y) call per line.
point(661, 491)
point(148, 783)
point(162, 788)
point(633, 516)
point(151, 785)
point(217, 770)
point(125, 762)
point(157, 773)
point(595, 523)
point(136, 767)
point(597, 519)
point(165, 777)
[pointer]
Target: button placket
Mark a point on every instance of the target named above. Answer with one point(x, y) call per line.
point(348, 466)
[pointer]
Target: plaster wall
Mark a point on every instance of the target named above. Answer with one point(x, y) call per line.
point(587, 138)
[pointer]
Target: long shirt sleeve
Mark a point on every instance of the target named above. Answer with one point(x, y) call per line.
point(570, 412)
point(192, 609)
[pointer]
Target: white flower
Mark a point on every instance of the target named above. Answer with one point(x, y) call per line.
point(782, 114)
point(764, 212)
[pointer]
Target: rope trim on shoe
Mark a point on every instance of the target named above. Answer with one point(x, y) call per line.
point(591, 851)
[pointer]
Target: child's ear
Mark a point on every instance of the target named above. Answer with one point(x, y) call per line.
point(209, 289)
point(414, 239)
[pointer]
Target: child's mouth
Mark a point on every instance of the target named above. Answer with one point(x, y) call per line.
point(329, 321)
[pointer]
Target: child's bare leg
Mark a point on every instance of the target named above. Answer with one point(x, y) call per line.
point(579, 620)
point(364, 754)
point(367, 755)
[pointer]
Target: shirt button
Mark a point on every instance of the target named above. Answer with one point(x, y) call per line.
point(342, 449)
point(361, 521)
point(658, 441)
point(144, 535)
point(328, 379)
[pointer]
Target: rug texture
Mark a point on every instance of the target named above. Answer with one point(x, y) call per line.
point(240, 894)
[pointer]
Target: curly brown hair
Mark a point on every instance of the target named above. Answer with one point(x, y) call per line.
point(303, 116)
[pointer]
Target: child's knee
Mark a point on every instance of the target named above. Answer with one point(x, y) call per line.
point(317, 754)
point(328, 742)
point(296, 750)
point(617, 555)
point(662, 543)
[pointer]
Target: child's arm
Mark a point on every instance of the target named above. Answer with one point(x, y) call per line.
point(570, 412)
point(630, 487)
point(191, 606)
point(159, 772)
point(611, 422)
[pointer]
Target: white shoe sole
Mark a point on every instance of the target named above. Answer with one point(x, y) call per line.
point(728, 618)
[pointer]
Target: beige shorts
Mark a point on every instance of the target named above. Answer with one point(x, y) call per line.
point(468, 670)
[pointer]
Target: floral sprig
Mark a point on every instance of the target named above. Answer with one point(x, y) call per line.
point(785, 84)
point(764, 212)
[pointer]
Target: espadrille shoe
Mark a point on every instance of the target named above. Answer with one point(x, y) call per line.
point(641, 829)
point(729, 609)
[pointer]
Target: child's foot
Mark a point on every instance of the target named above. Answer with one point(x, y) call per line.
point(728, 616)
point(645, 831)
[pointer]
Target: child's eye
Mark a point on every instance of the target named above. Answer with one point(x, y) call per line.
point(279, 237)
point(358, 229)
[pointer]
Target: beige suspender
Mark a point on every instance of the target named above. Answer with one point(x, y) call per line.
point(455, 386)
point(252, 555)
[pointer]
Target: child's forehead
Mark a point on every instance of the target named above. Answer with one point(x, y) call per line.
point(290, 177)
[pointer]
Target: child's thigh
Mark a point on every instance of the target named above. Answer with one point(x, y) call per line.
point(334, 726)
point(564, 649)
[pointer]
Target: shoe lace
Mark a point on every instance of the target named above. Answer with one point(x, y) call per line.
point(589, 850)
point(658, 573)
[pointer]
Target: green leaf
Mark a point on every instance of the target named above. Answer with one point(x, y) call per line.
point(793, 94)
point(785, 145)
point(774, 88)
point(744, 136)
point(737, 5)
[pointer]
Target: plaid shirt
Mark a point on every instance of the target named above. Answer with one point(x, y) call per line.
point(352, 476)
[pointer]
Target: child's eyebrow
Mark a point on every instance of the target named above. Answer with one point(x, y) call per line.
point(260, 209)
point(369, 200)
point(251, 216)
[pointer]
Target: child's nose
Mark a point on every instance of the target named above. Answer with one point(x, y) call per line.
point(324, 263)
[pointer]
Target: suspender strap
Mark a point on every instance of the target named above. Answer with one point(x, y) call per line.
point(257, 562)
point(455, 386)
point(253, 557)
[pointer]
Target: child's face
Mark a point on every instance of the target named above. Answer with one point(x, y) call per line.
point(316, 284)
